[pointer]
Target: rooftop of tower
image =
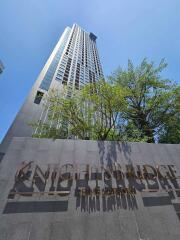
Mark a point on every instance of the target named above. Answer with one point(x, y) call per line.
point(91, 35)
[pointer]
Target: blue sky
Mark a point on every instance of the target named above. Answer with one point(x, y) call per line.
point(126, 29)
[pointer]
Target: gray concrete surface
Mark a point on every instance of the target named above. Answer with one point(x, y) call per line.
point(147, 215)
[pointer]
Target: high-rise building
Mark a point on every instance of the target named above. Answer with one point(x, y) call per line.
point(83, 189)
point(73, 62)
point(1, 67)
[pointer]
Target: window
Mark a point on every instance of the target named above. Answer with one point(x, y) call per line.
point(38, 97)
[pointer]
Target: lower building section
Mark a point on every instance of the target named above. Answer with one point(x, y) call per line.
point(73, 189)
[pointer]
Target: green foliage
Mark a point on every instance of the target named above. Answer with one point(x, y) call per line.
point(136, 104)
point(150, 98)
point(91, 113)
point(171, 129)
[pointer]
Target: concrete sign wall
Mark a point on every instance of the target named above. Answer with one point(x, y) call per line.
point(66, 189)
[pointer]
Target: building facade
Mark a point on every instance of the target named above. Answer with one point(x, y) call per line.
point(1, 67)
point(83, 189)
point(73, 63)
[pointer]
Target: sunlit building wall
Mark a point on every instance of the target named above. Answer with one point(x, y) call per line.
point(74, 62)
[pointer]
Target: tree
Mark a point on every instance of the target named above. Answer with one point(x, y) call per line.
point(136, 104)
point(92, 113)
point(171, 129)
point(150, 98)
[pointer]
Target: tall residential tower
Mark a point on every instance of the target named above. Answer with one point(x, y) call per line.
point(73, 62)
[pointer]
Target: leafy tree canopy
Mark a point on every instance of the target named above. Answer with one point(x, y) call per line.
point(150, 98)
point(136, 104)
point(92, 113)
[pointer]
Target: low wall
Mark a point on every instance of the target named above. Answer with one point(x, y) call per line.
point(72, 189)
